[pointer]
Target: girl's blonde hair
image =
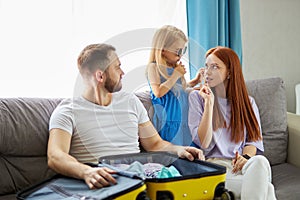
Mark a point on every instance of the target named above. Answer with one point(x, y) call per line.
point(163, 39)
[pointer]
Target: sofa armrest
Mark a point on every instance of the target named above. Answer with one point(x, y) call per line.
point(294, 139)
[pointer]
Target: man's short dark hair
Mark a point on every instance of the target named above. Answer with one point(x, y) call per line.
point(94, 56)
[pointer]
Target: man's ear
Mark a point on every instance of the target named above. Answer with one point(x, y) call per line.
point(99, 75)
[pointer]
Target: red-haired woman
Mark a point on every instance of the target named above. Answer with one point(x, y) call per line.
point(224, 121)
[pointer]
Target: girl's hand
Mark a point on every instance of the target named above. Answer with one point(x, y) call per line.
point(199, 78)
point(179, 69)
point(202, 77)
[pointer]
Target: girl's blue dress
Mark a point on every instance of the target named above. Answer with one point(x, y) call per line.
point(170, 114)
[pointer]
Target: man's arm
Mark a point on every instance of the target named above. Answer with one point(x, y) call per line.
point(151, 141)
point(61, 162)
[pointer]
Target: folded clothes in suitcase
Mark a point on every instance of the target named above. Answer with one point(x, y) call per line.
point(61, 187)
point(198, 180)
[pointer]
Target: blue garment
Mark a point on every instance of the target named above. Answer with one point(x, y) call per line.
point(168, 172)
point(170, 117)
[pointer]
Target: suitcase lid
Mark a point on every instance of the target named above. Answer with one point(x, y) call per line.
point(60, 187)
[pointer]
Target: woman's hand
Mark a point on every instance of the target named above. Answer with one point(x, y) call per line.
point(206, 93)
point(238, 163)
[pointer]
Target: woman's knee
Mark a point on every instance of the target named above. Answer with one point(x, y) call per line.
point(258, 162)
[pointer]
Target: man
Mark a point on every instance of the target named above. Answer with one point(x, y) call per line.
point(103, 121)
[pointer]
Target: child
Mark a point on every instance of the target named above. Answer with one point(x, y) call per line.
point(224, 121)
point(165, 74)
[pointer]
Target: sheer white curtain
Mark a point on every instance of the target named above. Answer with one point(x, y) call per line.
point(41, 39)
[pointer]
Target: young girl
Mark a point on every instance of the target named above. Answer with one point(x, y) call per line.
point(224, 121)
point(165, 74)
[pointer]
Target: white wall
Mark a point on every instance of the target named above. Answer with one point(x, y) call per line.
point(271, 42)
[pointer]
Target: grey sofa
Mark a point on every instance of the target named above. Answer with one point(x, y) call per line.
point(24, 135)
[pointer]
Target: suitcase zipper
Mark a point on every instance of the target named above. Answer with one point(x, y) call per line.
point(61, 191)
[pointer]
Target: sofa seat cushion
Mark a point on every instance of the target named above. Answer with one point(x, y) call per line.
point(23, 141)
point(270, 97)
point(286, 181)
point(8, 197)
point(20, 172)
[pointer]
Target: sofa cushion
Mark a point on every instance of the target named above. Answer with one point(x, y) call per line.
point(144, 97)
point(23, 141)
point(270, 97)
point(286, 181)
point(8, 197)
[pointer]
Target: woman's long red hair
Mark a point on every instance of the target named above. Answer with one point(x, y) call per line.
point(242, 114)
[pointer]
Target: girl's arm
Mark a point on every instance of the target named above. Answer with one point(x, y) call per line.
point(160, 89)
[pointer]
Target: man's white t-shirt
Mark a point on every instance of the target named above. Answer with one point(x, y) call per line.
point(100, 130)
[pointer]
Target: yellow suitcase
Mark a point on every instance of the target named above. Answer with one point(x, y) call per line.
point(199, 180)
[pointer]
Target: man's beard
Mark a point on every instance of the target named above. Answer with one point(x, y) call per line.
point(112, 86)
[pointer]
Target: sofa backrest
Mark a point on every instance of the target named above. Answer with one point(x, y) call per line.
point(270, 97)
point(23, 141)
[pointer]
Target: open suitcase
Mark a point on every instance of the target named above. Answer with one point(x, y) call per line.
point(199, 180)
point(61, 187)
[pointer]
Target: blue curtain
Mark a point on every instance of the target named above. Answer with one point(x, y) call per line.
point(212, 23)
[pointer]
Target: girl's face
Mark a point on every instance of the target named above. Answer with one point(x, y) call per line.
point(174, 53)
point(216, 71)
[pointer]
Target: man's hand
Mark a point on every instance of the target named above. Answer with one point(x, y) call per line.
point(99, 177)
point(190, 153)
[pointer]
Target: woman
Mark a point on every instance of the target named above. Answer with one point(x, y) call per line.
point(224, 121)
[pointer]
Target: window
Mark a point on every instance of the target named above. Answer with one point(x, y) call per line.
point(40, 40)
